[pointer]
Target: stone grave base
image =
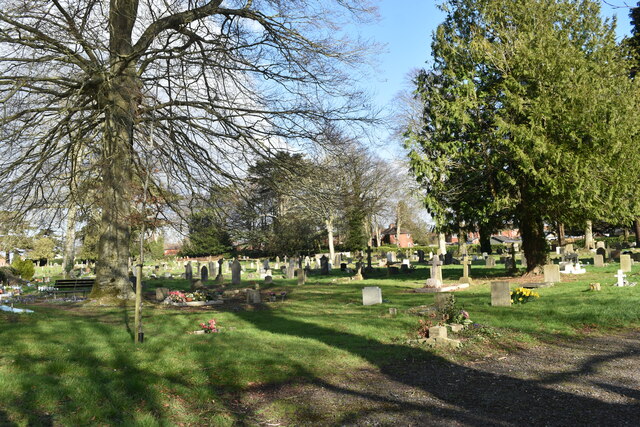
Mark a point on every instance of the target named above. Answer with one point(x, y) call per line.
point(437, 342)
point(537, 285)
point(442, 289)
point(196, 303)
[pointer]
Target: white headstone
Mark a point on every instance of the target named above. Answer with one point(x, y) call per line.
point(371, 295)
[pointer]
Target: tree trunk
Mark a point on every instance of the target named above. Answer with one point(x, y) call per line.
point(69, 241)
point(442, 243)
point(636, 227)
point(462, 242)
point(588, 236)
point(398, 225)
point(121, 98)
point(329, 224)
point(560, 233)
point(485, 239)
point(625, 234)
point(533, 241)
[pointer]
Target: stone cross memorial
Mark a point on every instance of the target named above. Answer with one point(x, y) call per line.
point(466, 277)
point(436, 269)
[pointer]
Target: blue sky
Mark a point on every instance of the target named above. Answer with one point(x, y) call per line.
point(405, 28)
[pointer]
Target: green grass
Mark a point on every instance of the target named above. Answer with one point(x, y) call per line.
point(80, 367)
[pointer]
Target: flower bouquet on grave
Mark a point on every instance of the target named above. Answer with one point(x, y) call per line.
point(176, 296)
point(209, 327)
point(272, 296)
point(198, 296)
point(523, 295)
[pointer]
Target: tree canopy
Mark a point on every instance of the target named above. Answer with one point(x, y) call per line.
point(527, 114)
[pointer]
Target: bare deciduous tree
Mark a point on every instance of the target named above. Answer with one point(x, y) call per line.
point(216, 82)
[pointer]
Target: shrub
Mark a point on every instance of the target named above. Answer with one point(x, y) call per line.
point(24, 269)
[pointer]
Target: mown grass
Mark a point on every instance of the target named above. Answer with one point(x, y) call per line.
point(79, 366)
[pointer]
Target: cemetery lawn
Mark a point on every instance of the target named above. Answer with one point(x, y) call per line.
point(320, 357)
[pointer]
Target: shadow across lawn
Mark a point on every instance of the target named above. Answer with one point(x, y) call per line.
point(459, 393)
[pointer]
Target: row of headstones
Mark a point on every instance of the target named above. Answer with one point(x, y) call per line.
point(236, 271)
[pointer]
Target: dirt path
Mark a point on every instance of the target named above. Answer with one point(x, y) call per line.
point(592, 381)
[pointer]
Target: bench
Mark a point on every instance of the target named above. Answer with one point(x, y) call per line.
point(72, 286)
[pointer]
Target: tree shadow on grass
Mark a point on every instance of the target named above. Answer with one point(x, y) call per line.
point(460, 394)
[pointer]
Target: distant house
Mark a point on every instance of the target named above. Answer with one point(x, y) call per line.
point(171, 250)
point(388, 237)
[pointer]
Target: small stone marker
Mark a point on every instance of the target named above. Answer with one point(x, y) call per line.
point(598, 261)
point(393, 311)
point(490, 261)
point(595, 286)
point(552, 273)
point(500, 294)
point(625, 263)
point(438, 332)
point(371, 295)
point(236, 271)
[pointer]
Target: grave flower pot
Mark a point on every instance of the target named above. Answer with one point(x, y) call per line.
point(188, 299)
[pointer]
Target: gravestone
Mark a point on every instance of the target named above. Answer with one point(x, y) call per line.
point(508, 264)
point(307, 263)
point(324, 265)
point(236, 271)
point(371, 295)
point(212, 269)
point(204, 273)
point(253, 295)
point(267, 277)
point(369, 266)
point(436, 270)
point(600, 244)
point(343, 266)
point(568, 248)
point(188, 272)
point(598, 261)
point(291, 269)
point(302, 276)
point(625, 263)
point(448, 258)
point(265, 265)
point(602, 252)
point(490, 261)
point(421, 256)
point(466, 263)
point(500, 294)
point(551, 273)
point(358, 275)
point(443, 299)
point(620, 276)
point(162, 294)
point(220, 276)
